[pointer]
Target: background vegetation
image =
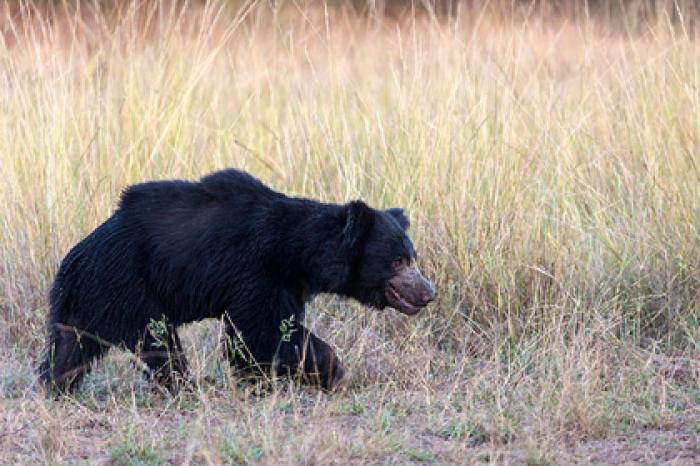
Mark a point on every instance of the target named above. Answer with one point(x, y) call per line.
point(549, 164)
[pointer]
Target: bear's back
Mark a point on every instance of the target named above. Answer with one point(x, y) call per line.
point(175, 216)
point(225, 185)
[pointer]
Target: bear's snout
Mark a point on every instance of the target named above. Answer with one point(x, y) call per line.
point(409, 291)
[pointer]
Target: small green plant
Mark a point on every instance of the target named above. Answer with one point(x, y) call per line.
point(255, 453)
point(351, 408)
point(286, 407)
point(159, 331)
point(384, 421)
point(420, 455)
point(464, 430)
point(131, 453)
point(237, 349)
point(537, 459)
point(287, 329)
point(230, 453)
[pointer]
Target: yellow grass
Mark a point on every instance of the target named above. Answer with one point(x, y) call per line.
point(549, 168)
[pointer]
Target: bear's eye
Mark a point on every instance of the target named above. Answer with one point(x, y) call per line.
point(398, 262)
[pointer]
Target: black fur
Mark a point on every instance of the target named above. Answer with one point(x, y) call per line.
point(177, 252)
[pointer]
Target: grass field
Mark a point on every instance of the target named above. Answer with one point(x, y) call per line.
point(550, 169)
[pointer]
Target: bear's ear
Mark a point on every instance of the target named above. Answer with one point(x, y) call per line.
point(399, 216)
point(358, 220)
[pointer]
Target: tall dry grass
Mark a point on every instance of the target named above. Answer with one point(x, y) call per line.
point(550, 170)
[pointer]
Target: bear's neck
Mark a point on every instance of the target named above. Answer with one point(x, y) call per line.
point(309, 250)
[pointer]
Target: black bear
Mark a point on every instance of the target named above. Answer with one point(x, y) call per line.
point(227, 246)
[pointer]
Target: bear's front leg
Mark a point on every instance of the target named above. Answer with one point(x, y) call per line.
point(292, 350)
point(316, 360)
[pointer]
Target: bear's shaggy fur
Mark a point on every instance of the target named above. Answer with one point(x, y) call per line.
point(176, 252)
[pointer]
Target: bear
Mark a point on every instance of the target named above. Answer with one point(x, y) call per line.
point(229, 247)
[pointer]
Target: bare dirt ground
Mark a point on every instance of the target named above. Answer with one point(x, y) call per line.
point(676, 442)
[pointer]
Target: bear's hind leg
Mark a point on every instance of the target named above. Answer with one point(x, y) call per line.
point(69, 357)
point(163, 354)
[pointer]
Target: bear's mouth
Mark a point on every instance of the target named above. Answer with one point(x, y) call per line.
point(399, 302)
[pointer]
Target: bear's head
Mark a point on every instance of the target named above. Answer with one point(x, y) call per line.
point(383, 260)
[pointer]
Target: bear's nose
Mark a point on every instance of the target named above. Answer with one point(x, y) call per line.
point(428, 294)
